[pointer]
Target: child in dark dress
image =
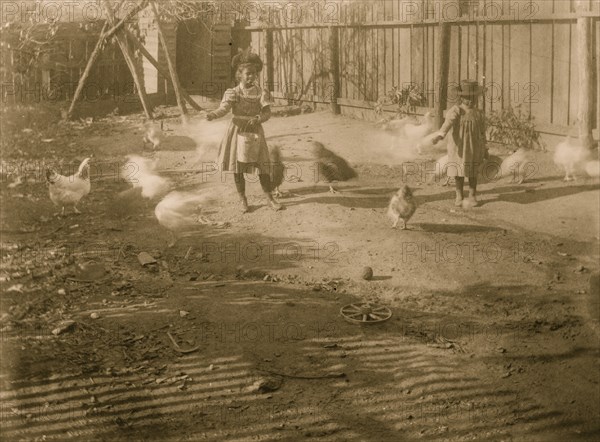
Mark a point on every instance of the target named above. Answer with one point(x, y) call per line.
point(466, 145)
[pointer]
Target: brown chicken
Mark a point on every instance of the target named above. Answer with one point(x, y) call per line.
point(402, 206)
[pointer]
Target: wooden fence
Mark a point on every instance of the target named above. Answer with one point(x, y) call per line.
point(54, 74)
point(525, 58)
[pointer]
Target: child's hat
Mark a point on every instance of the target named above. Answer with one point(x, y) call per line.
point(469, 88)
point(246, 58)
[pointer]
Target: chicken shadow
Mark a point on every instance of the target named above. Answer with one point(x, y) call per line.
point(455, 228)
point(348, 196)
point(521, 195)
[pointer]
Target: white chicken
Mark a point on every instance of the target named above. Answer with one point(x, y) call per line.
point(178, 212)
point(519, 165)
point(442, 167)
point(592, 168)
point(154, 134)
point(418, 131)
point(140, 172)
point(396, 125)
point(68, 190)
point(571, 155)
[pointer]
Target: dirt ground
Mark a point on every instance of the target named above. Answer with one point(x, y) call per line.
point(494, 329)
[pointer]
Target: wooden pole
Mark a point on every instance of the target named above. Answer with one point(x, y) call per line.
point(172, 71)
point(104, 35)
point(129, 15)
point(270, 76)
point(334, 68)
point(584, 27)
point(443, 47)
point(598, 79)
point(160, 70)
point(86, 72)
point(130, 60)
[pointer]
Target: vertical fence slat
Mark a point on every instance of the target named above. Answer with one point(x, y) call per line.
point(405, 57)
point(541, 73)
point(454, 65)
point(573, 75)
point(561, 73)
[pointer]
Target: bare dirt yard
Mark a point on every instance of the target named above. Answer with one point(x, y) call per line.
point(235, 333)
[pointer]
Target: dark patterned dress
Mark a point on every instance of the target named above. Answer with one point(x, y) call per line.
point(466, 145)
point(245, 104)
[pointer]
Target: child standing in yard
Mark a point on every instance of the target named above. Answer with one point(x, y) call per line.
point(244, 148)
point(466, 146)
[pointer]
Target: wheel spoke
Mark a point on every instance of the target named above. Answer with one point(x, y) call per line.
point(377, 317)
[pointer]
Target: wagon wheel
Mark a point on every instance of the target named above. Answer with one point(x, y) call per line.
point(365, 313)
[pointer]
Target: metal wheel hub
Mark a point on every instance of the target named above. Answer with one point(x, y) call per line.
point(365, 313)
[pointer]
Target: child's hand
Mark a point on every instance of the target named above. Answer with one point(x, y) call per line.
point(437, 139)
point(210, 116)
point(253, 122)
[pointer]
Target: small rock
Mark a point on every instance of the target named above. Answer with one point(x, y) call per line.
point(62, 292)
point(211, 367)
point(63, 327)
point(557, 277)
point(266, 385)
point(183, 313)
point(501, 350)
point(94, 315)
point(367, 273)
point(144, 258)
point(18, 288)
point(506, 375)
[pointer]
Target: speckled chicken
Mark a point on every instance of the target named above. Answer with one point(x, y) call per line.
point(68, 190)
point(402, 206)
point(331, 167)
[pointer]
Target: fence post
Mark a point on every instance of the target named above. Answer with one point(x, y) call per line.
point(334, 57)
point(584, 54)
point(443, 71)
point(270, 76)
point(598, 79)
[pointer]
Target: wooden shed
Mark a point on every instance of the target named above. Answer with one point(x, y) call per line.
point(201, 55)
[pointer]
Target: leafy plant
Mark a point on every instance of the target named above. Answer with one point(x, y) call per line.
point(514, 127)
point(407, 99)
